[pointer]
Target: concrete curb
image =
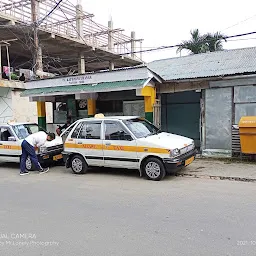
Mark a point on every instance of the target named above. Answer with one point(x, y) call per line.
point(215, 177)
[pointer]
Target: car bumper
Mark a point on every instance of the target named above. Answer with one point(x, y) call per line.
point(172, 165)
point(52, 156)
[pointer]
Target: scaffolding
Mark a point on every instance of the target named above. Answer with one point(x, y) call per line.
point(72, 22)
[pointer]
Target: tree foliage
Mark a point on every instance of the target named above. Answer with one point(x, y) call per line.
point(209, 42)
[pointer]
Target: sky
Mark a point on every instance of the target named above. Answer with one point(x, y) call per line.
point(165, 22)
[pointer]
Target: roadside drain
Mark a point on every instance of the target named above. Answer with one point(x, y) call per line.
point(215, 177)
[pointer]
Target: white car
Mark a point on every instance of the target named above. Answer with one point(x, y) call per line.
point(11, 137)
point(125, 142)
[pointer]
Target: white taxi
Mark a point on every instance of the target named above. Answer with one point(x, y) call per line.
point(11, 136)
point(125, 142)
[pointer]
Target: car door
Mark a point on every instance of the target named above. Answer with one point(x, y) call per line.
point(10, 145)
point(119, 147)
point(87, 138)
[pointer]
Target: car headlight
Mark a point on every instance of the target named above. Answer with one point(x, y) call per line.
point(43, 149)
point(175, 152)
point(193, 144)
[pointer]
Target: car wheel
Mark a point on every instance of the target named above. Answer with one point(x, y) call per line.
point(153, 169)
point(78, 165)
point(29, 165)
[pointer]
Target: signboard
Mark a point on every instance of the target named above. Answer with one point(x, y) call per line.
point(73, 80)
point(94, 78)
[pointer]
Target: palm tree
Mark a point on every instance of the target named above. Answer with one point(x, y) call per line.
point(214, 41)
point(194, 45)
point(202, 43)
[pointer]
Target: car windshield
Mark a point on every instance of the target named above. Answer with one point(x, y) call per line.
point(141, 128)
point(23, 130)
point(65, 133)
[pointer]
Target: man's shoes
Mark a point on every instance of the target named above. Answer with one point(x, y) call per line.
point(24, 173)
point(44, 170)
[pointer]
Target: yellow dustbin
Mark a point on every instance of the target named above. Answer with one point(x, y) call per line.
point(247, 130)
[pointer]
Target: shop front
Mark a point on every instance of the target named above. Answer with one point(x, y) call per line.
point(122, 92)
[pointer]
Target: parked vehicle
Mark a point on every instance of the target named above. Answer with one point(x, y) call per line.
point(11, 137)
point(125, 142)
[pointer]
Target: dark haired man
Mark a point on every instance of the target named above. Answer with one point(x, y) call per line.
point(22, 77)
point(28, 146)
point(64, 127)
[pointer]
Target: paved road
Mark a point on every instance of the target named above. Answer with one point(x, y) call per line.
point(112, 213)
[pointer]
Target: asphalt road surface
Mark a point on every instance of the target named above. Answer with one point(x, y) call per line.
point(111, 212)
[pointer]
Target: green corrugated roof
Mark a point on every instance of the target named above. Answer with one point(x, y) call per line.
point(86, 88)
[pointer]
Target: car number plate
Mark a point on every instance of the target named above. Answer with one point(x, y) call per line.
point(57, 157)
point(189, 161)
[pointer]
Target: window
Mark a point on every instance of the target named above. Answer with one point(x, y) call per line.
point(77, 130)
point(90, 131)
point(65, 134)
point(113, 106)
point(5, 134)
point(23, 130)
point(114, 131)
point(60, 112)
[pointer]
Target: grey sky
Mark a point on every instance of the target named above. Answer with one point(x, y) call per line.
point(166, 22)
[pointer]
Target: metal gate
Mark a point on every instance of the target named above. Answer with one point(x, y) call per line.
point(181, 114)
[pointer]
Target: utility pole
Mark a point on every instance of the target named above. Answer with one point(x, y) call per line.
point(80, 35)
point(38, 63)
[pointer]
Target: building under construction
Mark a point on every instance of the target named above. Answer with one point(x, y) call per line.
point(49, 38)
point(70, 40)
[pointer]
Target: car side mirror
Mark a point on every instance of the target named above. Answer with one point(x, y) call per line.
point(11, 138)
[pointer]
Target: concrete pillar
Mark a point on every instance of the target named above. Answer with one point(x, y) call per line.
point(111, 66)
point(40, 59)
point(41, 117)
point(41, 114)
point(141, 50)
point(91, 107)
point(0, 61)
point(110, 42)
point(81, 64)
point(132, 44)
point(149, 94)
point(79, 21)
point(110, 36)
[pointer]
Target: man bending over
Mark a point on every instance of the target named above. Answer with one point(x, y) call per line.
point(28, 149)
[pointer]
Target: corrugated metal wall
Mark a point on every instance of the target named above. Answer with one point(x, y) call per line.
point(245, 101)
point(218, 118)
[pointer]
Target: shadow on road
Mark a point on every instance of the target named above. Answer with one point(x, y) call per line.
point(13, 167)
point(120, 172)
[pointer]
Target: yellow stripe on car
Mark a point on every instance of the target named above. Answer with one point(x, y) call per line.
point(119, 148)
point(12, 147)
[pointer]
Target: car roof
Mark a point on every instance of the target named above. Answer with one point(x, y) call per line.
point(110, 118)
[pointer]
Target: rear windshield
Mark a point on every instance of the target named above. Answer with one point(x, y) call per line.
point(23, 130)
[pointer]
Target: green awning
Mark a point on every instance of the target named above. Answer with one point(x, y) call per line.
point(86, 88)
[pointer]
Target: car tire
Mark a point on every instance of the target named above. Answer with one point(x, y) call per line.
point(153, 169)
point(78, 164)
point(29, 164)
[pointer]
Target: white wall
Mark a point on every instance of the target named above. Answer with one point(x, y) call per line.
point(25, 111)
point(6, 112)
